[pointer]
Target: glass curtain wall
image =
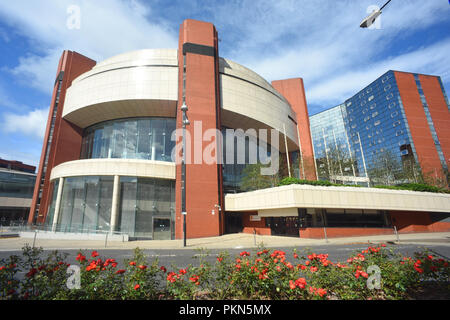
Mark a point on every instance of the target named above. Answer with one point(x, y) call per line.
point(85, 204)
point(51, 210)
point(234, 172)
point(137, 138)
point(16, 184)
point(147, 208)
point(343, 218)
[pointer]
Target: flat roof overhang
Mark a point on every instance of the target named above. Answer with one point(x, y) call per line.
point(269, 201)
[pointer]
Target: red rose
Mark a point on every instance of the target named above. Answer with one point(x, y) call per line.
point(142, 267)
point(321, 292)
point(120, 271)
point(291, 284)
point(132, 263)
point(301, 283)
point(94, 254)
point(163, 269)
point(80, 257)
point(31, 273)
point(136, 287)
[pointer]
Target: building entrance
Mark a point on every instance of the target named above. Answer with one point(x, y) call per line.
point(284, 226)
point(161, 229)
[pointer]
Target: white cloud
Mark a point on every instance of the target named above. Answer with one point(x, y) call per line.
point(108, 27)
point(32, 124)
point(321, 42)
point(317, 40)
point(430, 60)
point(5, 99)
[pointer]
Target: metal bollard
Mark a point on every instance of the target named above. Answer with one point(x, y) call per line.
point(325, 234)
point(34, 239)
point(396, 233)
point(106, 239)
point(254, 236)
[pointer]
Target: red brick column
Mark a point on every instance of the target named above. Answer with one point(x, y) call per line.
point(439, 112)
point(294, 92)
point(66, 137)
point(198, 44)
point(418, 125)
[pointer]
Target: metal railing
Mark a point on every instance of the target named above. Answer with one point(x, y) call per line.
point(15, 227)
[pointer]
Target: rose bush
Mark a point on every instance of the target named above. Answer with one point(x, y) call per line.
point(374, 273)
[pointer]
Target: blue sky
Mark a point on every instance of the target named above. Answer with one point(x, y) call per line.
point(319, 41)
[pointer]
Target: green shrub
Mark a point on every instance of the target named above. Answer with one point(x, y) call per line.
point(405, 186)
point(415, 187)
point(323, 183)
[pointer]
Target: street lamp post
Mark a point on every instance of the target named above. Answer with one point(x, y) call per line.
point(368, 21)
point(185, 122)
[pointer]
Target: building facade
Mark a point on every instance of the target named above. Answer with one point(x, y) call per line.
point(110, 160)
point(396, 127)
point(17, 182)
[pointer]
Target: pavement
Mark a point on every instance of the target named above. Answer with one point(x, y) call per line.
point(229, 241)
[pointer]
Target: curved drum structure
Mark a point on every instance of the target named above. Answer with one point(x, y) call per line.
point(136, 84)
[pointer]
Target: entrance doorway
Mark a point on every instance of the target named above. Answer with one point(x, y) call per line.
point(284, 226)
point(161, 228)
point(233, 222)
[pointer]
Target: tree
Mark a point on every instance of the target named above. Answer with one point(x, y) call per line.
point(252, 179)
point(385, 169)
point(336, 163)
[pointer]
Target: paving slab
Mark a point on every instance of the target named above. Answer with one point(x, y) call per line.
point(230, 241)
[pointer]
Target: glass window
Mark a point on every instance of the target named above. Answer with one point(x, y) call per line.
point(146, 207)
point(119, 140)
point(91, 204)
point(85, 204)
point(355, 218)
point(144, 201)
point(128, 205)
point(16, 184)
point(105, 203)
point(143, 138)
point(51, 211)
